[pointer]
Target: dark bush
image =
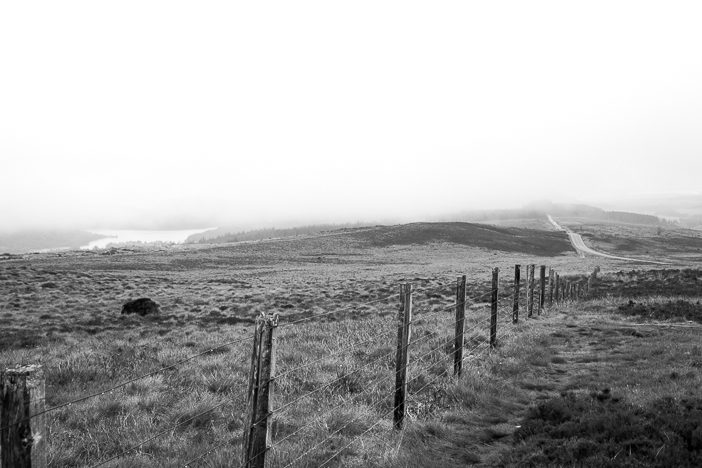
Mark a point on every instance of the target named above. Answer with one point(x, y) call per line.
point(600, 430)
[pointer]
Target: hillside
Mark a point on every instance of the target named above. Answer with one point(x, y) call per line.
point(29, 241)
point(531, 241)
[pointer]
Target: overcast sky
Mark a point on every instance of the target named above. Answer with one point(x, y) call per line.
point(261, 111)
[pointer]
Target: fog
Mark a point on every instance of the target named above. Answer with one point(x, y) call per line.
point(190, 114)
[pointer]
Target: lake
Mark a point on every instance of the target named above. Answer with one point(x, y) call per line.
point(124, 236)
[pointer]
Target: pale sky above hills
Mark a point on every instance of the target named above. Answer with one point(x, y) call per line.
point(253, 112)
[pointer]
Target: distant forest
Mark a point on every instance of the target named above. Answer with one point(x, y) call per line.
point(578, 211)
point(211, 237)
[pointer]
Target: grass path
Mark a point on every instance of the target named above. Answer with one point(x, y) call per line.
point(580, 350)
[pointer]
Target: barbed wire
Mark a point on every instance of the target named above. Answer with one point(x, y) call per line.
point(370, 386)
point(334, 455)
point(327, 356)
point(337, 310)
point(159, 434)
point(501, 302)
point(127, 382)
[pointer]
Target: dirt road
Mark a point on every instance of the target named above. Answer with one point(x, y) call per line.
point(582, 249)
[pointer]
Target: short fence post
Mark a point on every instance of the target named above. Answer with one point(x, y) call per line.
point(261, 377)
point(460, 320)
point(542, 287)
point(530, 291)
point(23, 436)
point(515, 305)
point(493, 308)
point(550, 286)
point(404, 319)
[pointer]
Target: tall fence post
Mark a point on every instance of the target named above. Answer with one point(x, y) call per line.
point(556, 293)
point(404, 319)
point(530, 290)
point(550, 286)
point(460, 320)
point(23, 436)
point(260, 389)
point(542, 287)
point(493, 308)
point(517, 284)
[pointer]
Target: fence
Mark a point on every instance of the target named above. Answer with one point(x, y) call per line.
point(23, 422)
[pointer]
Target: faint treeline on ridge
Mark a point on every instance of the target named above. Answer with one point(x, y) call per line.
point(220, 236)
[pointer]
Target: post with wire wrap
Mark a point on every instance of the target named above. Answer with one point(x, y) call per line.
point(404, 320)
point(493, 308)
point(261, 376)
point(530, 290)
point(460, 321)
point(515, 305)
point(23, 433)
point(551, 272)
point(542, 287)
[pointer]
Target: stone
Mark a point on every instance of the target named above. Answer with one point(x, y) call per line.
point(142, 306)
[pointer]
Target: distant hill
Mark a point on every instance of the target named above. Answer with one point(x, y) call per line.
point(32, 241)
point(539, 210)
point(529, 241)
point(225, 235)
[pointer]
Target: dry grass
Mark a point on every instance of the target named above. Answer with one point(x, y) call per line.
point(63, 312)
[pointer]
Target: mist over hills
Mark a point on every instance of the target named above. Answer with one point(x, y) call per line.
point(533, 215)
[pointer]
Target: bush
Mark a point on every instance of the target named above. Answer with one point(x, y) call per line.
point(600, 430)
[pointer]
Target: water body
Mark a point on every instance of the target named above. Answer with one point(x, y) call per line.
point(126, 236)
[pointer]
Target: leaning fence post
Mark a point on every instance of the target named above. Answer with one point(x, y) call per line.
point(542, 287)
point(460, 320)
point(493, 308)
point(515, 305)
point(550, 286)
point(530, 291)
point(23, 433)
point(404, 320)
point(261, 377)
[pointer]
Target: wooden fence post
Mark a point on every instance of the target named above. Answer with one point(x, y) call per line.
point(493, 308)
point(460, 320)
point(542, 287)
point(517, 284)
point(23, 436)
point(261, 377)
point(530, 291)
point(556, 294)
point(550, 286)
point(404, 319)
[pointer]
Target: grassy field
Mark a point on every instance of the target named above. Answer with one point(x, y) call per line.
point(335, 367)
point(663, 243)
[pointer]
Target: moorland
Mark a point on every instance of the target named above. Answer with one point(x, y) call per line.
point(629, 352)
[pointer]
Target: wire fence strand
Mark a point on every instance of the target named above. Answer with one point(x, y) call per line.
point(157, 435)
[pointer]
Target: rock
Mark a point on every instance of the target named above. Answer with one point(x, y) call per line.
point(142, 306)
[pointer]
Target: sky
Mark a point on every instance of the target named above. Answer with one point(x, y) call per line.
point(203, 113)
